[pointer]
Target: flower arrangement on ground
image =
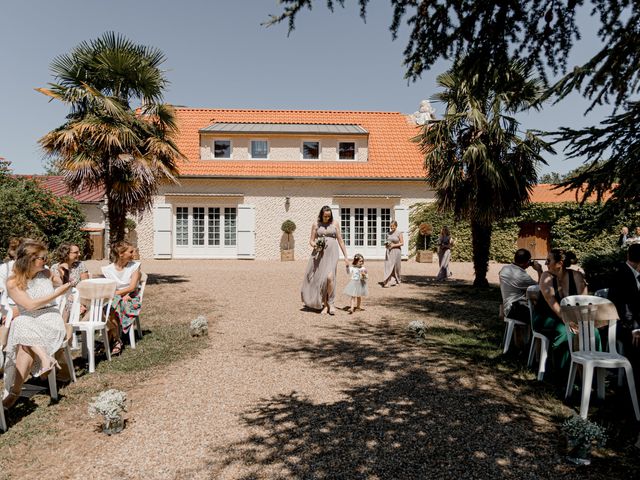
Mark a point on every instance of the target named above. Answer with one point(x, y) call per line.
point(417, 328)
point(581, 436)
point(110, 404)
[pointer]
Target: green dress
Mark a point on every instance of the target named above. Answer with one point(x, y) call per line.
point(546, 321)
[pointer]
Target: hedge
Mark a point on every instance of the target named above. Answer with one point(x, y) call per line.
point(574, 227)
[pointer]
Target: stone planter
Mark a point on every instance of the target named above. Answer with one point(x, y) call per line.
point(424, 256)
point(286, 255)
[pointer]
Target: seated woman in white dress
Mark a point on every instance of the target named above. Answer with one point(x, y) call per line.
point(126, 303)
point(38, 332)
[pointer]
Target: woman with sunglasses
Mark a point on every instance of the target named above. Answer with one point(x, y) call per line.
point(69, 267)
point(38, 332)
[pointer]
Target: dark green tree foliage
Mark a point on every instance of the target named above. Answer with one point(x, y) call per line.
point(542, 32)
point(480, 167)
point(574, 227)
point(29, 210)
point(107, 140)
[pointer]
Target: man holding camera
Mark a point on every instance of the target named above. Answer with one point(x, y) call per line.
point(514, 281)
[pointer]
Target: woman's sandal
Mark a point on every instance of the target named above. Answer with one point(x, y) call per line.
point(331, 310)
point(117, 348)
point(44, 372)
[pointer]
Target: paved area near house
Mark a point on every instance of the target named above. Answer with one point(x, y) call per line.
point(284, 393)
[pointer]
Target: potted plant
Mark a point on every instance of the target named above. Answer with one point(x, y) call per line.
point(111, 404)
point(286, 251)
point(581, 436)
point(424, 255)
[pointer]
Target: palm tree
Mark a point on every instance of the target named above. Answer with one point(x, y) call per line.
point(480, 167)
point(106, 140)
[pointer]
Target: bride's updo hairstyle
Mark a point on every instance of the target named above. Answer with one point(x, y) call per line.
point(567, 258)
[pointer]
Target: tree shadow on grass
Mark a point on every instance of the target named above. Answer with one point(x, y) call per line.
point(414, 426)
point(456, 407)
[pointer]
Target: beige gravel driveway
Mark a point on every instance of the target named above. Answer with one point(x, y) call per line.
point(284, 393)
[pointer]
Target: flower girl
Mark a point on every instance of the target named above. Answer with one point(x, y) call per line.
point(357, 286)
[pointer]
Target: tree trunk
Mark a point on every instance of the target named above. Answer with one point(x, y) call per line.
point(117, 218)
point(481, 242)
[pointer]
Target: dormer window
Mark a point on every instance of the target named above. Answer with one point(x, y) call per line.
point(222, 149)
point(346, 151)
point(310, 150)
point(259, 149)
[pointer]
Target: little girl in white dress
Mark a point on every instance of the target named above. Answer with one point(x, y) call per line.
point(357, 286)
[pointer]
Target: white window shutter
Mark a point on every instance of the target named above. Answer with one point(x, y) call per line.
point(335, 210)
point(162, 228)
point(246, 231)
point(401, 215)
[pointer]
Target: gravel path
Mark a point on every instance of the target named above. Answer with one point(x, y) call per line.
point(285, 393)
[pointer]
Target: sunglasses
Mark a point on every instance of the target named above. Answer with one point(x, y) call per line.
point(44, 258)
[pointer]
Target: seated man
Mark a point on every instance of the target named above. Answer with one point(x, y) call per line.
point(625, 294)
point(514, 281)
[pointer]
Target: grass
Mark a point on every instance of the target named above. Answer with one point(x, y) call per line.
point(37, 418)
point(468, 331)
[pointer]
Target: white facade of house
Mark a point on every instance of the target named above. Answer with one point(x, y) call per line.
point(241, 218)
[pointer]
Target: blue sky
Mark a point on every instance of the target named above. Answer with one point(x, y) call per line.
point(219, 56)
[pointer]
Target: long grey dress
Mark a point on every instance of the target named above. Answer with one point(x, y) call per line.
point(322, 266)
point(444, 257)
point(42, 327)
point(392, 259)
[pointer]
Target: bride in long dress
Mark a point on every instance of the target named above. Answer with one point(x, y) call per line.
point(319, 284)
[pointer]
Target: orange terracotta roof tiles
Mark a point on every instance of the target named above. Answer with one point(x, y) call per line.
point(390, 153)
point(545, 193)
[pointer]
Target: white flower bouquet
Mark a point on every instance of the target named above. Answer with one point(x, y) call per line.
point(417, 328)
point(321, 243)
point(364, 274)
point(110, 404)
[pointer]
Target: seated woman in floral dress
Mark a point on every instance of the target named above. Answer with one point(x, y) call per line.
point(68, 267)
point(38, 332)
point(126, 303)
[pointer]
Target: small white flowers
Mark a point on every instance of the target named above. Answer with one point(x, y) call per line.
point(418, 328)
point(583, 432)
point(110, 404)
point(199, 327)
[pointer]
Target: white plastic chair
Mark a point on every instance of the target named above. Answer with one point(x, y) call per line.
point(62, 303)
point(5, 311)
point(136, 323)
point(533, 295)
point(604, 293)
point(510, 324)
point(588, 312)
point(98, 294)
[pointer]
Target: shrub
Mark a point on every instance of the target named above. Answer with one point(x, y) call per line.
point(29, 210)
point(574, 227)
point(288, 227)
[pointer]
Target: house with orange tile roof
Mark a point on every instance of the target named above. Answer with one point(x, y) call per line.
point(247, 171)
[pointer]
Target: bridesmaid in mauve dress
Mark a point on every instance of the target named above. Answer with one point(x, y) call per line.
point(319, 284)
point(393, 256)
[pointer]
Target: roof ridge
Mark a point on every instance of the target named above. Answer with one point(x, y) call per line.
point(372, 112)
